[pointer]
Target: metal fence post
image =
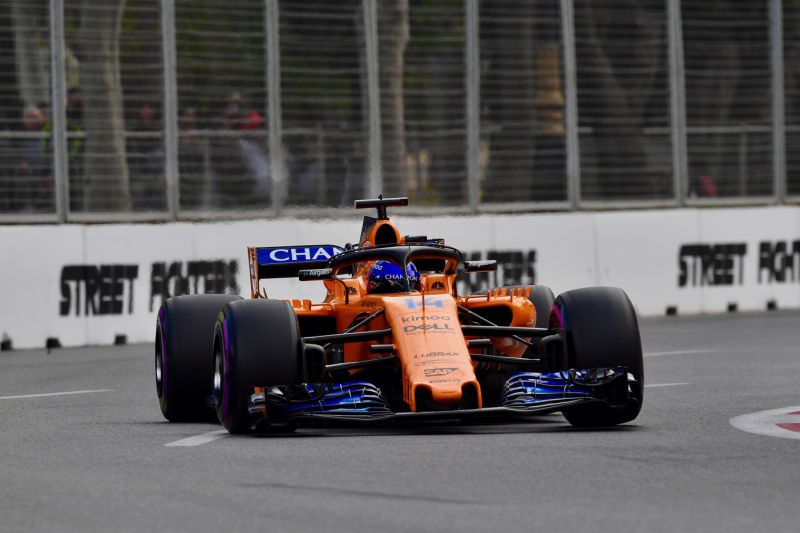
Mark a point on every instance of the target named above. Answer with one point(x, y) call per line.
point(59, 112)
point(275, 126)
point(169, 61)
point(571, 104)
point(374, 132)
point(677, 91)
point(778, 124)
point(472, 84)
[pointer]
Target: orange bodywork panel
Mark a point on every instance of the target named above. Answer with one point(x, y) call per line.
point(521, 311)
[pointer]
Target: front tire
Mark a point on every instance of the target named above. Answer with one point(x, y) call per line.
point(257, 343)
point(184, 335)
point(601, 332)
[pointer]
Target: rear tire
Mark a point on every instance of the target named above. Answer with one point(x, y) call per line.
point(257, 343)
point(601, 331)
point(184, 335)
point(543, 299)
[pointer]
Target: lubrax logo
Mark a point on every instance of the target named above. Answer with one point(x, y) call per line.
point(420, 318)
point(435, 328)
point(435, 372)
point(435, 354)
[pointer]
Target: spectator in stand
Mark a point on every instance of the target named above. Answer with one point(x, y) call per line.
point(35, 188)
point(254, 155)
point(236, 117)
point(75, 147)
point(701, 184)
point(239, 160)
point(306, 176)
point(191, 149)
point(8, 162)
point(227, 163)
point(75, 126)
point(146, 160)
point(45, 146)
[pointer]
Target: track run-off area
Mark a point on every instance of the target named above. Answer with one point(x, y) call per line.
point(84, 448)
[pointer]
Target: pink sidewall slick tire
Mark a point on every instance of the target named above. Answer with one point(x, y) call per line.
point(184, 356)
point(257, 343)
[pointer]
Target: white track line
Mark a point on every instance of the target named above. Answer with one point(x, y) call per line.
point(680, 352)
point(201, 439)
point(46, 394)
point(647, 386)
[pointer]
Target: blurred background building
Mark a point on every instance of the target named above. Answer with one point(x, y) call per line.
point(117, 110)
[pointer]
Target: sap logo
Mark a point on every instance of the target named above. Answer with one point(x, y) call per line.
point(269, 256)
point(433, 372)
point(412, 303)
point(435, 354)
point(427, 327)
point(420, 318)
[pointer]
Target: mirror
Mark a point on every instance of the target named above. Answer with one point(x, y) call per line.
point(490, 265)
point(315, 274)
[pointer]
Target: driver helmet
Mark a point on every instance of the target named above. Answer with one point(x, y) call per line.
point(387, 277)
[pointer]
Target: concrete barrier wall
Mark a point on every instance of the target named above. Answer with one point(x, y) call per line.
point(87, 284)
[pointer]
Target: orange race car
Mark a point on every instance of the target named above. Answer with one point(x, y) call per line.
point(393, 340)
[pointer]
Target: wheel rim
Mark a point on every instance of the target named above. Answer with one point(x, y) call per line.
point(159, 369)
point(219, 370)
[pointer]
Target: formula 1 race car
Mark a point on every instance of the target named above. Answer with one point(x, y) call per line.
point(394, 341)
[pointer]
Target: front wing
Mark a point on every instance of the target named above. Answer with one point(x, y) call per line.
point(524, 394)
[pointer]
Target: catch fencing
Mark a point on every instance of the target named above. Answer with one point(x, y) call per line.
point(198, 109)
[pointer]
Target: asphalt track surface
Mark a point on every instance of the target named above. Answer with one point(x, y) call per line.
point(98, 461)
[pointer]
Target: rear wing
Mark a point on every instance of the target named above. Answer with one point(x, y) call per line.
point(286, 261)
